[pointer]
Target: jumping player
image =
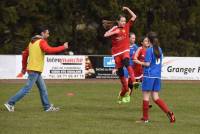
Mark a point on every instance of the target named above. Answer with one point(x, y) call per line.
point(120, 51)
point(151, 84)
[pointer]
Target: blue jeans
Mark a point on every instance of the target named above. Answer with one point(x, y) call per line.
point(33, 77)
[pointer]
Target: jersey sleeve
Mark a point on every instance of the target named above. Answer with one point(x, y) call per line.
point(25, 55)
point(50, 50)
point(137, 53)
point(148, 55)
point(129, 23)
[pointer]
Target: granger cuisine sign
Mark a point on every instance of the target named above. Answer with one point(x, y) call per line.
point(185, 71)
point(181, 68)
point(64, 67)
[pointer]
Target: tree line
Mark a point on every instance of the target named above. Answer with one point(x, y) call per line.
point(80, 23)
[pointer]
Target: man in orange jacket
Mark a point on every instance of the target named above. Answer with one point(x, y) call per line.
point(33, 63)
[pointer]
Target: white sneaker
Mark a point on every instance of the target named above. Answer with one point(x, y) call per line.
point(10, 108)
point(52, 109)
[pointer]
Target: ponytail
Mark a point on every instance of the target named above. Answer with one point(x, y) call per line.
point(156, 49)
point(107, 24)
point(155, 42)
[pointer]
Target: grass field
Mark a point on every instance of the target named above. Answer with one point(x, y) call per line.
point(93, 110)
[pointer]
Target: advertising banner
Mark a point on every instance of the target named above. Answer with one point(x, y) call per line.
point(100, 67)
point(7, 66)
point(181, 68)
point(64, 67)
point(56, 67)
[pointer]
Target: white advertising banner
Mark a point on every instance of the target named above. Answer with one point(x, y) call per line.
point(181, 68)
point(56, 67)
point(7, 66)
point(64, 67)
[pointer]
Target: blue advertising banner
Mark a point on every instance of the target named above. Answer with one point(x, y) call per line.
point(108, 62)
point(100, 67)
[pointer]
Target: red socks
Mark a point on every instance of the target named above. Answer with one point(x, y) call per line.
point(124, 86)
point(131, 73)
point(145, 110)
point(162, 105)
point(159, 102)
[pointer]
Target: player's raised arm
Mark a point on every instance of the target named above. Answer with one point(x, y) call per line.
point(133, 16)
point(51, 50)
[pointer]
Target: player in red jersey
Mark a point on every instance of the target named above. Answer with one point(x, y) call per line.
point(120, 51)
point(138, 58)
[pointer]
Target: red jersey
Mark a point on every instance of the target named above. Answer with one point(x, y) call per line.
point(121, 41)
point(139, 55)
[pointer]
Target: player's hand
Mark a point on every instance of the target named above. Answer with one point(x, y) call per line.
point(66, 45)
point(125, 8)
point(21, 74)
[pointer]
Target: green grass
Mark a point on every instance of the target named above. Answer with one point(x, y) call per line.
point(93, 110)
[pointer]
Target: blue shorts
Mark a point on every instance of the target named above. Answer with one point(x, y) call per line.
point(151, 84)
point(125, 73)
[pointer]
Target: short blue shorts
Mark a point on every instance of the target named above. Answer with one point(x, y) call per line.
point(151, 84)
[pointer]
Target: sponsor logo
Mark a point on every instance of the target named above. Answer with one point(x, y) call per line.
point(108, 62)
point(66, 61)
